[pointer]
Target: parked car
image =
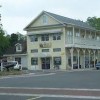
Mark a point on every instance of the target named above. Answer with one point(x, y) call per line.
point(97, 65)
point(75, 66)
point(13, 64)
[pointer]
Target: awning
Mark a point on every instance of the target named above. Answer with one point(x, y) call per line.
point(42, 55)
point(45, 32)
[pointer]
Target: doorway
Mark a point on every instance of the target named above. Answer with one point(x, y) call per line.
point(45, 62)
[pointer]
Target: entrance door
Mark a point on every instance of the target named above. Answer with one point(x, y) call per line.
point(45, 63)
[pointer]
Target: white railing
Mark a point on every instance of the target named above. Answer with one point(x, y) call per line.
point(82, 41)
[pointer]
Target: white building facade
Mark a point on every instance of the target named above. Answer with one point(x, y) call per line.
point(54, 41)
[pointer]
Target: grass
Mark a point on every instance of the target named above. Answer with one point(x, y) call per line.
point(11, 72)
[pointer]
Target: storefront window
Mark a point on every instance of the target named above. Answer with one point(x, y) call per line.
point(34, 61)
point(57, 60)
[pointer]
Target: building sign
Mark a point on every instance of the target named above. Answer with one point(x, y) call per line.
point(45, 45)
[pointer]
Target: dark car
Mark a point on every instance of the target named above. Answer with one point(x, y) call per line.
point(97, 65)
point(75, 66)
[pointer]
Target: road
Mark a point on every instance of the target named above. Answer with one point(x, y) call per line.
point(58, 85)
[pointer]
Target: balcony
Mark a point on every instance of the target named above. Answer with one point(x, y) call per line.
point(82, 43)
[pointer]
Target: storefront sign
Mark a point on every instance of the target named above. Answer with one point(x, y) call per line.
point(45, 45)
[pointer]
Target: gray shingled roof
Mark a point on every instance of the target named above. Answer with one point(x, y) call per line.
point(66, 20)
point(12, 49)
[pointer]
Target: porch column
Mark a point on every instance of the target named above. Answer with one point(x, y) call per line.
point(84, 58)
point(73, 34)
point(89, 58)
point(94, 57)
point(98, 55)
point(78, 50)
point(71, 51)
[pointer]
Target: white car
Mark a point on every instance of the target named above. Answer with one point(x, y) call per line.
point(16, 65)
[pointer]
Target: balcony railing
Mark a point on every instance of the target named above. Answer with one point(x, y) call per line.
point(83, 41)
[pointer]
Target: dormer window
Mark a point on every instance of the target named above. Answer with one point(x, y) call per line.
point(18, 47)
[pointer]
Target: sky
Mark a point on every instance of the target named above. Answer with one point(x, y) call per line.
point(16, 14)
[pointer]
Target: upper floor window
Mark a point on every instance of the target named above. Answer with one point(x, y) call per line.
point(69, 33)
point(34, 38)
point(98, 38)
point(45, 50)
point(77, 34)
point(45, 20)
point(18, 47)
point(90, 36)
point(45, 37)
point(56, 36)
point(34, 50)
point(56, 49)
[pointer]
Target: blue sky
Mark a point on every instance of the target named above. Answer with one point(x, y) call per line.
point(16, 14)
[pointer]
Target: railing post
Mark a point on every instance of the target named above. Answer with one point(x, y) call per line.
point(73, 34)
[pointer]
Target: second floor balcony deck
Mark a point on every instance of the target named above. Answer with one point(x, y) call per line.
point(82, 42)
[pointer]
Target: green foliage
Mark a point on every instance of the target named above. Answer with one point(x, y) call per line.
point(94, 22)
point(13, 39)
point(4, 42)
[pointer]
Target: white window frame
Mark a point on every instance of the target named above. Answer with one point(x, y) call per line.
point(57, 36)
point(18, 48)
point(33, 38)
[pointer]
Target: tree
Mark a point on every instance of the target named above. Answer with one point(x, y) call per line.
point(4, 42)
point(13, 38)
point(94, 22)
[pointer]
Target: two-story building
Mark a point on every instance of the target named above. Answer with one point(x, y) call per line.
point(57, 41)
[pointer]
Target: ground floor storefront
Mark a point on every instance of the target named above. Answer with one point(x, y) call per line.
point(73, 58)
point(82, 58)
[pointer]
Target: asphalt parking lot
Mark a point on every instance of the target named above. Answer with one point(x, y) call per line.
point(69, 84)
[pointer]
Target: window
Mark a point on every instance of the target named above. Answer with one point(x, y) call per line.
point(98, 37)
point(45, 20)
point(45, 37)
point(69, 33)
point(18, 47)
point(90, 36)
point(56, 36)
point(77, 34)
point(56, 49)
point(45, 50)
point(34, 50)
point(57, 60)
point(34, 61)
point(34, 38)
point(18, 59)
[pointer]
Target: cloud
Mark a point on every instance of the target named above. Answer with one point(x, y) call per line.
point(16, 14)
point(15, 24)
